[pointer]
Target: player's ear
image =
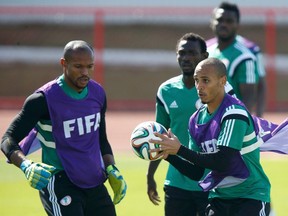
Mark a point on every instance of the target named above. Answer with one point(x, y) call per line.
point(223, 80)
point(63, 62)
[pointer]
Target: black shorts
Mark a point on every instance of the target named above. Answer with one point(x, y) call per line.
point(184, 203)
point(62, 197)
point(237, 207)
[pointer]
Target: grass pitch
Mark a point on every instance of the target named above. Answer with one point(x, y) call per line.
point(18, 198)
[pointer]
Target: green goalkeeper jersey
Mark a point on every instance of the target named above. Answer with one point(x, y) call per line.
point(240, 63)
point(174, 106)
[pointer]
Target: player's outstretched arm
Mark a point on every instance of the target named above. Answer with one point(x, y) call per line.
point(151, 183)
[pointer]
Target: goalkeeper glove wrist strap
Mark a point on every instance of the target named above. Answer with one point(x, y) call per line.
point(110, 168)
point(25, 164)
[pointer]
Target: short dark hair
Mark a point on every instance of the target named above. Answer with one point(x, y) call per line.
point(193, 37)
point(217, 64)
point(231, 7)
point(76, 45)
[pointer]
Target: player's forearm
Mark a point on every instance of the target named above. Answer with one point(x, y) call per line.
point(9, 146)
point(153, 165)
point(188, 169)
point(260, 108)
point(12, 151)
point(261, 97)
point(104, 143)
point(108, 159)
point(218, 161)
point(249, 103)
point(248, 94)
point(17, 158)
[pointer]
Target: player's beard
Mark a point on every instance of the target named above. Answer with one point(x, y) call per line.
point(226, 37)
point(188, 73)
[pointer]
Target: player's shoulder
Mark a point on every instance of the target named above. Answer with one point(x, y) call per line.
point(251, 45)
point(170, 83)
point(235, 111)
point(235, 108)
point(241, 52)
point(237, 114)
point(241, 47)
point(36, 100)
point(36, 97)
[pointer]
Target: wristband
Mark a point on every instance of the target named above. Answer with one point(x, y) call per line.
point(25, 164)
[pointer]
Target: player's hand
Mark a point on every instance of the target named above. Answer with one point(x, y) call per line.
point(117, 183)
point(38, 174)
point(152, 191)
point(169, 144)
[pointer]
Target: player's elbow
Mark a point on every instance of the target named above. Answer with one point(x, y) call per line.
point(198, 174)
point(8, 147)
point(224, 159)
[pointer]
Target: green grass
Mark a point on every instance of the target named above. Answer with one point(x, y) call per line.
point(276, 169)
point(18, 198)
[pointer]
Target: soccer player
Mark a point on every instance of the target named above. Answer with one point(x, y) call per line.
point(240, 61)
point(225, 140)
point(176, 100)
point(262, 85)
point(66, 117)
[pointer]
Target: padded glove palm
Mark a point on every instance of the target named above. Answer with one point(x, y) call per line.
point(117, 183)
point(38, 174)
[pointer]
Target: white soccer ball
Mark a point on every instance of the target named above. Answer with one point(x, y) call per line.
point(140, 139)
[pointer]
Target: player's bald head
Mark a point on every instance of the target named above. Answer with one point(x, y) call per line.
point(76, 46)
point(213, 64)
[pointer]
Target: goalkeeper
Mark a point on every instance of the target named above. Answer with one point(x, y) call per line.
point(66, 118)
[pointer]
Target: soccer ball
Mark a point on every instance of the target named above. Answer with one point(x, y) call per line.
point(140, 139)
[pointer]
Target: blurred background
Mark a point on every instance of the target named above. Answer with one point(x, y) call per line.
point(135, 52)
point(134, 42)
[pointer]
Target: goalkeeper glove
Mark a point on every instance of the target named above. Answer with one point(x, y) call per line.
point(38, 174)
point(117, 183)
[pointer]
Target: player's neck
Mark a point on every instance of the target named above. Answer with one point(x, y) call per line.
point(188, 81)
point(223, 44)
point(213, 105)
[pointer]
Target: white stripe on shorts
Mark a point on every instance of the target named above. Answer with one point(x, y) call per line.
point(53, 198)
point(262, 211)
